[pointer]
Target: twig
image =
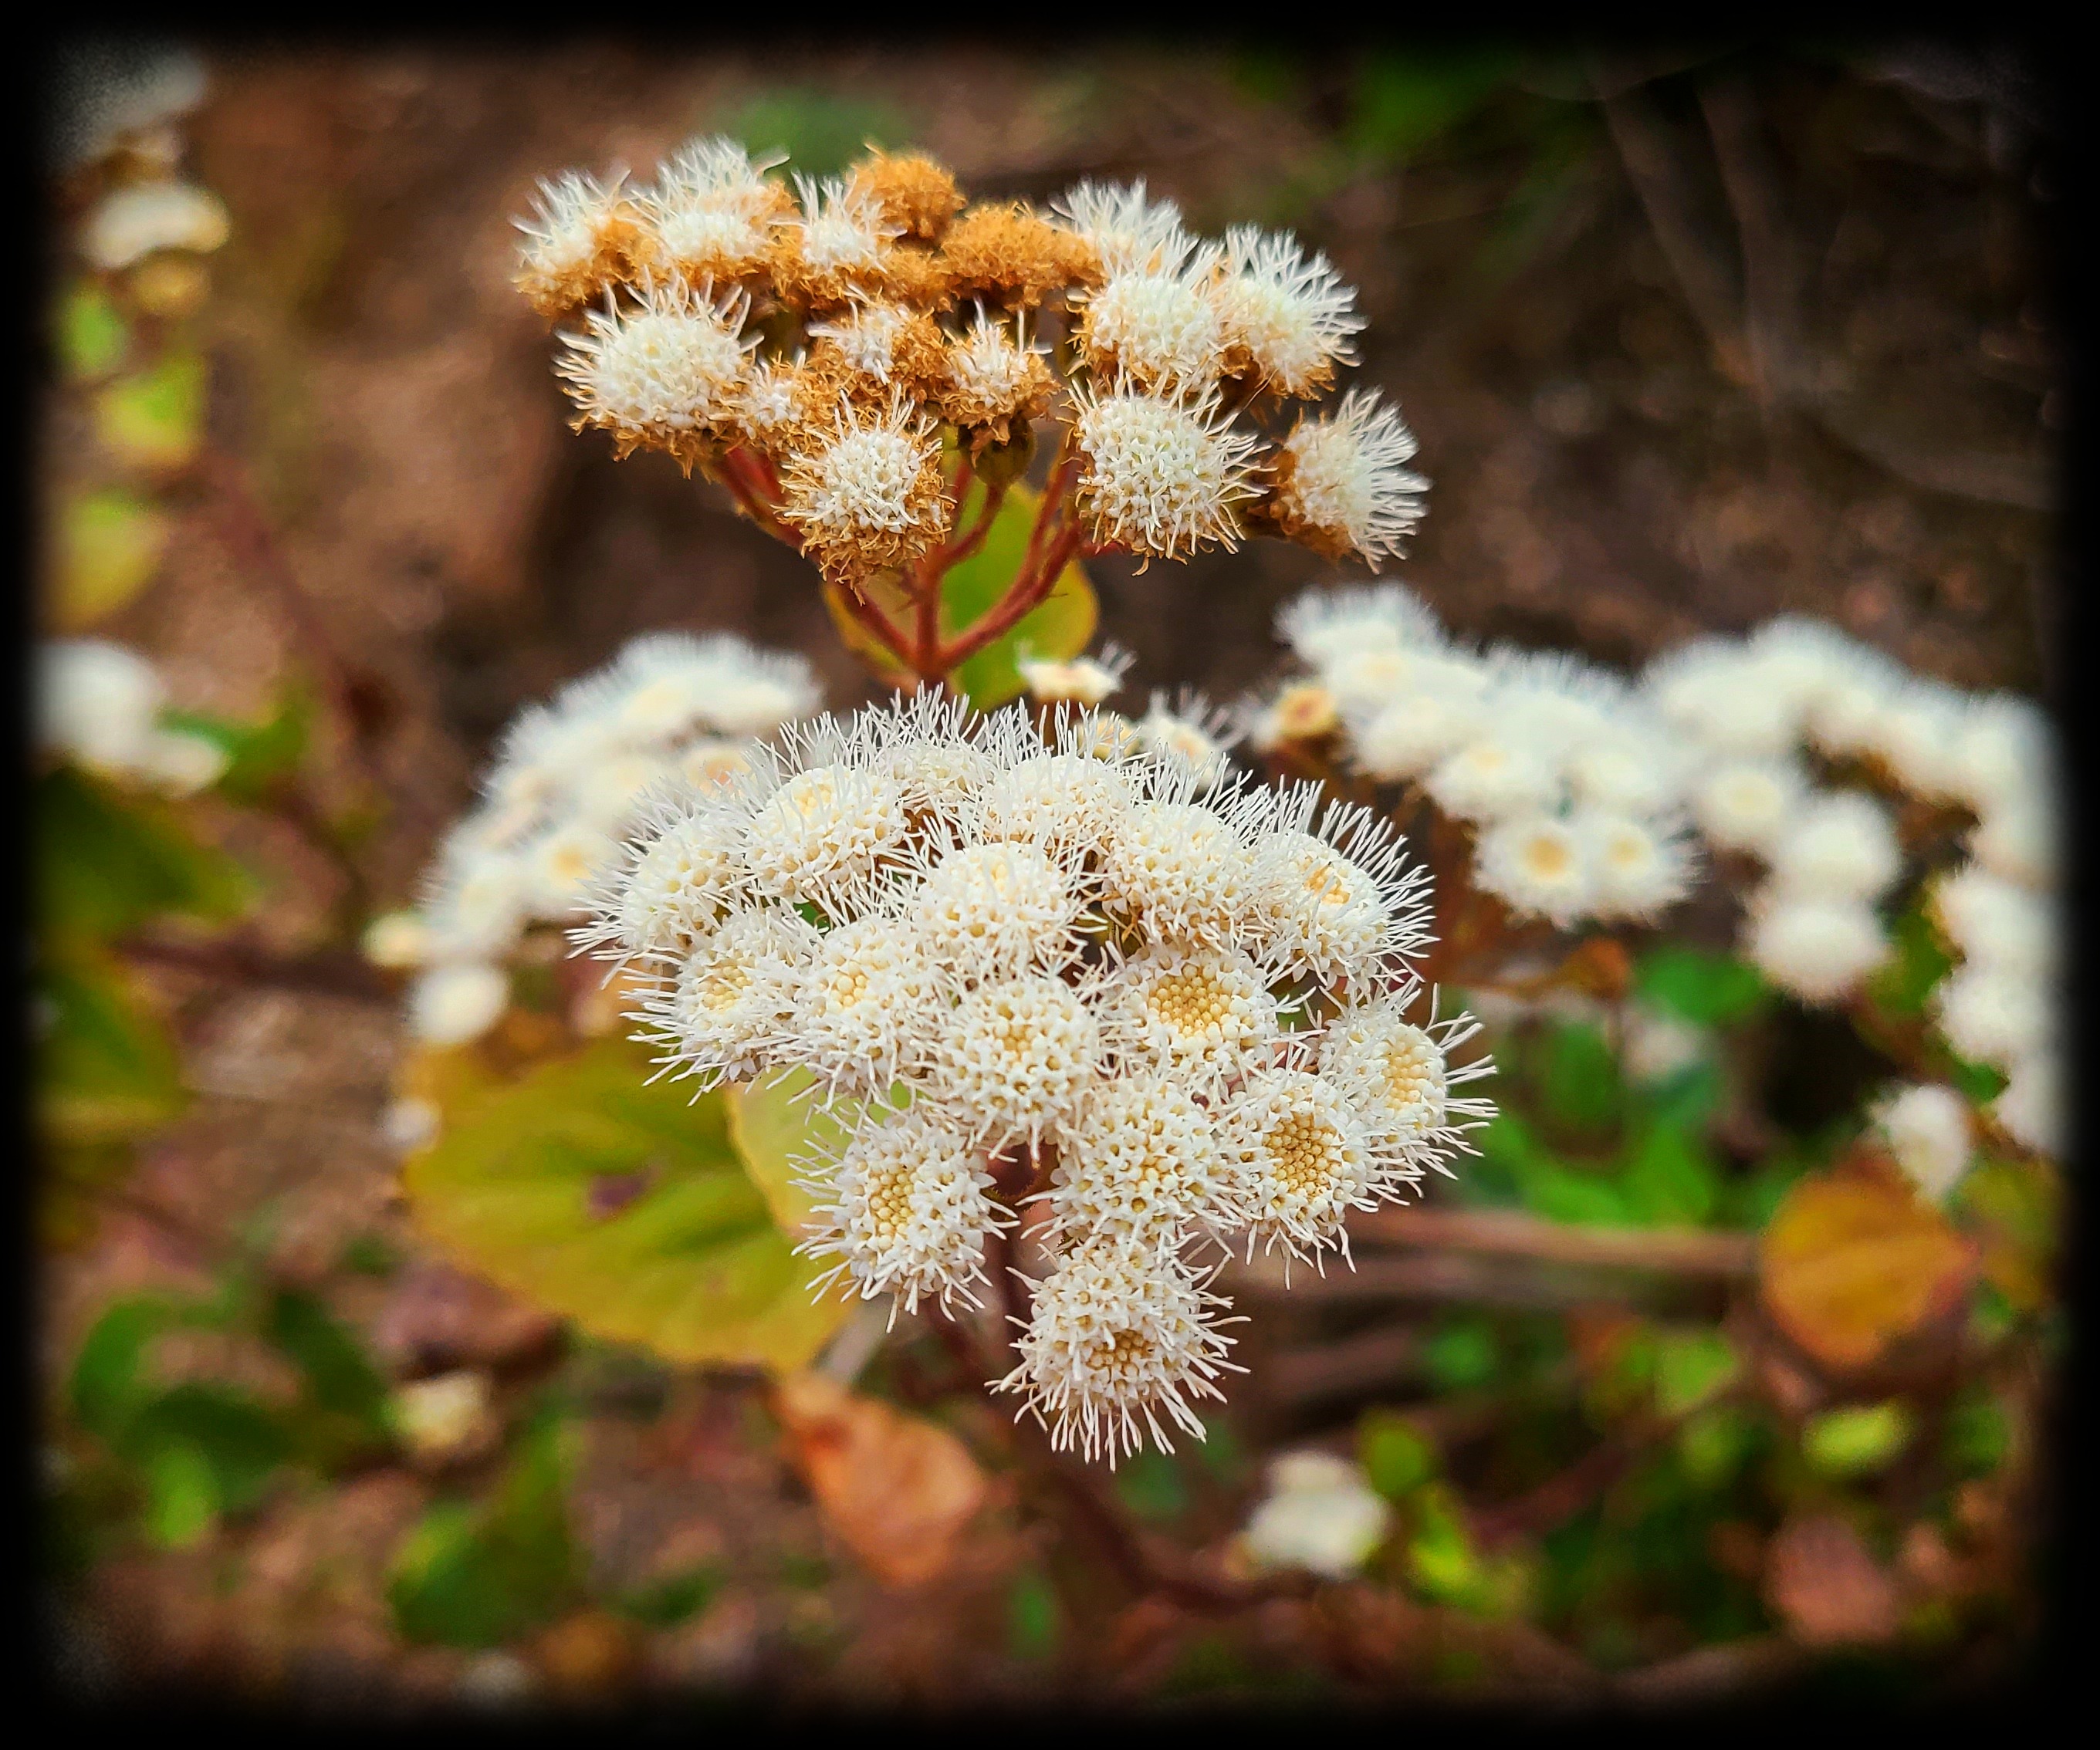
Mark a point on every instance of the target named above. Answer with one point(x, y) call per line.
point(1706, 278)
point(331, 973)
point(1706, 1671)
point(1376, 1357)
point(1510, 1233)
point(1443, 1277)
point(1555, 1501)
point(1772, 264)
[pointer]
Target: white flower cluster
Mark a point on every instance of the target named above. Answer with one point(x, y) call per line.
point(1578, 787)
point(102, 707)
point(570, 780)
point(1759, 708)
point(1175, 1005)
point(1928, 1130)
point(1559, 770)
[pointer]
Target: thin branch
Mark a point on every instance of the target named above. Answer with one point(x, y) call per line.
point(877, 624)
point(1704, 274)
point(332, 972)
point(1029, 592)
point(1510, 1233)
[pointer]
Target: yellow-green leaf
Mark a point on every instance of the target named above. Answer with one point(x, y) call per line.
point(106, 1069)
point(1060, 627)
point(585, 1188)
point(109, 546)
point(93, 334)
point(776, 1128)
point(155, 419)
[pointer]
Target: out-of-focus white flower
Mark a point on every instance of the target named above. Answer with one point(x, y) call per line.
point(1746, 804)
point(1636, 867)
point(1928, 1129)
point(2018, 840)
point(1994, 1017)
point(1658, 1045)
point(1538, 865)
point(98, 703)
point(131, 223)
point(1083, 680)
point(447, 1419)
point(397, 939)
point(411, 1124)
point(1819, 948)
point(450, 1005)
point(2031, 1109)
point(1998, 924)
point(1321, 1514)
point(1840, 845)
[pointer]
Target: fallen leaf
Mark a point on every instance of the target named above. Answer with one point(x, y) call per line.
point(1821, 1581)
point(1852, 1260)
point(898, 1490)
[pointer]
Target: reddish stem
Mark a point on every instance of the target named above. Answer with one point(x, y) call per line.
point(877, 625)
point(752, 481)
point(1030, 588)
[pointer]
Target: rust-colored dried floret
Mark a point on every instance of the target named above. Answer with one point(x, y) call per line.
point(1279, 510)
point(1013, 256)
point(992, 386)
point(920, 277)
point(870, 348)
point(584, 239)
point(915, 194)
point(696, 246)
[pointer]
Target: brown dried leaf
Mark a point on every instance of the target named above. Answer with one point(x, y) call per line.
point(1821, 1579)
point(1852, 1260)
point(898, 1490)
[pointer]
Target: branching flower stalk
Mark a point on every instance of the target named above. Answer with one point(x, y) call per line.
point(854, 359)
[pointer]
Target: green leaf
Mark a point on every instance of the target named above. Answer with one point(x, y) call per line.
point(93, 334)
point(238, 1437)
point(585, 1189)
point(774, 1126)
point(1691, 1368)
point(1905, 980)
point(106, 1069)
point(155, 419)
point(1711, 989)
point(258, 754)
point(109, 546)
point(1151, 1485)
point(1979, 1431)
point(1404, 100)
point(1059, 628)
point(181, 1497)
point(1672, 1180)
point(107, 862)
point(1857, 1440)
point(1033, 1623)
point(346, 1401)
point(1395, 1457)
point(1714, 1444)
point(106, 1390)
point(822, 132)
point(1579, 1078)
point(468, 1576)
point(1463, 1354)
point(665, 1603)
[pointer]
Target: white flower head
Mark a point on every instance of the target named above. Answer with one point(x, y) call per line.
point(990, 911)
point(451, 1004)
point(1997, 923)
point(734, 996)
point(1538, 865)
point(842, 227)
point(1159, 327)
point(1203, 1013)
point(1338, 903)
point(2031, 1109)
point(1838, 845)
point(826, 835)
point(906, 1211)
point(1161, 477)
point(1140, 1163)
point(1398, 1072)
point(2018, 840)
point(1321, 1514)
point(1304, 1161)
point(1819, 948)
point(1079, 681)
point(1749, 804)
point(1325, 625)
point(1181, 870)
point(1129, 232)
point(1287, 320)
point(1014, 1058)
point(577, 240)
point(1069, 804)
point(1343, 485)
point(98, 703)
point(1928, 1129)
point(672, 683)
point(666, 373)
point(1198, 735)
point(1636, 868)
point(712, 210)
point(1496, 776)
point(867, 494)
point(1994, 1017)
point(1121, 1336)
point(1707, 689)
